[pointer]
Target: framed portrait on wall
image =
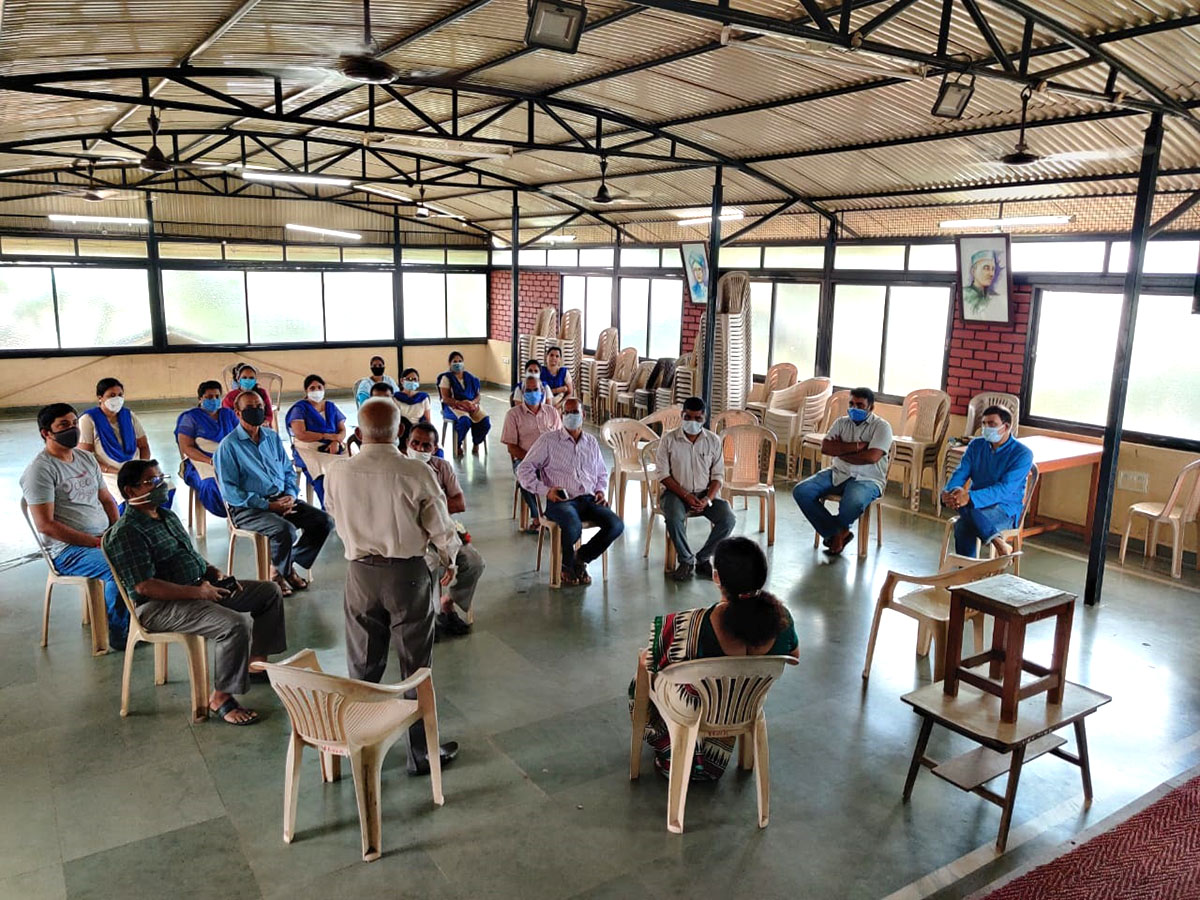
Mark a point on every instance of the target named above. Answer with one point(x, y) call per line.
point(985, 277)
point(695, 267)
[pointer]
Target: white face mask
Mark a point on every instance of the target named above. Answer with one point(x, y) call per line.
point(992, 435)
point(316, 396)
point(114, 404)
point(420, 455)
point(691, 427)
point(572, 421)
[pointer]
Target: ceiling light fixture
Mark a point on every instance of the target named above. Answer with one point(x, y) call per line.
point(1006, 222)
point(383, 192)
point(292, 177)
point(954, 95)
point(731, 216)
point(98, 220)
point(556, 239)
point(555, 25)
point(329, 232)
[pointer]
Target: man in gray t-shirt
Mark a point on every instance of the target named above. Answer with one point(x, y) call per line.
point(71, 507)
point(859, 443)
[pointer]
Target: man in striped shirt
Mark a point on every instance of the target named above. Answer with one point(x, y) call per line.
point(566, 470)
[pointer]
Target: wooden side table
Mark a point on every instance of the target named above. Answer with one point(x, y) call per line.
point(1014, 603)
point(1005, 747)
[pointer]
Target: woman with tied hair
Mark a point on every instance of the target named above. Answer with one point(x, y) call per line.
point(459, 391)
point(114, 433)
point(747, 621)
point(246, 378)
point(318, 434)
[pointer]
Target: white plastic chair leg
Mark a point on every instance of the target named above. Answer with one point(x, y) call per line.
point(428, 701)
point(291, 786)
point(866, 672)
point(364, 763)
point(46, 611)
point(126, 675)
point(762, 771)
point(683, 748)
point(641, 712)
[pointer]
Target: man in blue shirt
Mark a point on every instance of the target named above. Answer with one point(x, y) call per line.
point(997, 465)
point(259, 484)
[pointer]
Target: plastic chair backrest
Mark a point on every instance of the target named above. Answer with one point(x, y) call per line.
point(780, 375)
point(623, 436)
point(572, 325)
point(1190, 500)
point(641, 376)
point(926, 415)
point(835, 408)
point(731, 690)
point(606, 344)
point(980, 402)
point(37, 536)
point(733, 292)
point(547, 322)
point(648, 456)
point(670, 418)
point(625, 365)
point(731, 417)
point(815, 401)
point(1031, 481)
point(135, 625)
point(749, 455)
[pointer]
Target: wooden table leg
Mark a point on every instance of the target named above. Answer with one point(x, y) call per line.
point(1062, 643)
point(954, 637)
point(999, 643)
point(918, 754)
point(1091, 506)
point(1085, 765)
point(1010, 795)
point(1014, 652)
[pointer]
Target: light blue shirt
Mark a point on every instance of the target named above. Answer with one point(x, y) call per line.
point(997, 476)
point(362, 390)
point(248, 473)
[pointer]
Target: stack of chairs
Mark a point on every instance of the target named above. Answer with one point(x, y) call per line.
point(545, 333)
point(596, 368)
point(570, 338)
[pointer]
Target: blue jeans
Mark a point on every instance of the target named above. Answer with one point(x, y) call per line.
point(976, 524)
point(675, 514)
point(90, 563)
point(856, 497)
point(569, 516)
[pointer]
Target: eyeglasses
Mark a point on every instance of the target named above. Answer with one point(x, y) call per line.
point(153, 481)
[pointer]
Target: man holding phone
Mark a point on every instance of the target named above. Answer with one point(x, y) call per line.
point(173, 588)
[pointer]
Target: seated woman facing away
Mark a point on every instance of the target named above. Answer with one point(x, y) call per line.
point(413, 402)
point(113, 432)
point(318, 433)
point(198, 431)
point(246, 377)
point(748, 621)
point(460, 404)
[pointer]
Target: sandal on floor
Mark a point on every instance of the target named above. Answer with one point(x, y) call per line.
point(532, 529)
point(297, 583)
point(284, 587)
point(232, 705)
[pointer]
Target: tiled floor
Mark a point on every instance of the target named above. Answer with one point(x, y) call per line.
point(539, 803)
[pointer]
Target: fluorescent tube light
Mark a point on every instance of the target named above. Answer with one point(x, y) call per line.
point(292, 177)
point(330, 232)
point(556, 239)
point(723, 217)
point(1006, 222)
point(99, 220)
point(383, 192)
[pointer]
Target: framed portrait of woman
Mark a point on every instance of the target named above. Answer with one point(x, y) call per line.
point(985, 277)
point(695, 267)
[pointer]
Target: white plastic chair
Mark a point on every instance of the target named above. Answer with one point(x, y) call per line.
point(197, 514)
point(94, 612)
point(194, 646)
point(550, 532)
point(259, 541)
point(795, 411)
point(750, 471)
point(778, 377)
point(623, 437)
point(667, 419)
point(346, 717)
point(929, 604)
point(835, 408)
point(1178, 511)
point(918, 445)
point(864, 524)
point(727, 695)
point(1012, 536)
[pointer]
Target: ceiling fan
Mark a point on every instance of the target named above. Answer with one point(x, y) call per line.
point(604, 195)
point(364, 65)
point(424, 211)
point(1022, 155)
point(95, 191)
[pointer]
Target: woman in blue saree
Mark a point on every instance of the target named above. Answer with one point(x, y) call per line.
point(113, 433)
point(318, 434)
point(460, 404)
point(197, 432)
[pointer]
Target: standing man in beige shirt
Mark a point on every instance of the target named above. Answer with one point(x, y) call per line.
point(388, 510)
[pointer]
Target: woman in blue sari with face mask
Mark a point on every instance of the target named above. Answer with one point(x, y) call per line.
point(113, 433)
point(460, 404)
point(197, 432)
point(318, 433)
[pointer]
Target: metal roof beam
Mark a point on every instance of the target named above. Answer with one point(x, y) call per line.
point(1174, 215)
point(989, 36)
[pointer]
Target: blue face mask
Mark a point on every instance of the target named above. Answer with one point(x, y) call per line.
point(572, 421)
point(533, 398)
point(210, 404)
point(412, 386)
point(457, 366)
point(857, 415)
point(247, 384)
point(992, 435)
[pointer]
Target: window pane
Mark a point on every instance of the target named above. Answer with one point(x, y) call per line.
point(796, 307)
point(563, 259)
point(103, 307)
point(422, 256)
point(1076, 341)
point(806, 257)
point(358, 306)
point(37, 246)
point(367, 255)
point(599, 309)
point(97, 247)
point(466, 305)
point(672, 258)
point(916, 338)
point(26, 309)
point(467, 257)
point(869, 256)
point(268, 252)
point(857, 334)
point(531, 257)
point(596, 257)
point(314, 254)
point(666, 298)
point(760, 326)
point(635, 307)
point(501, 257)
point(285, 307)
point(574, 292)
point(204, 307)
point(176, 250)
point(1164, 380)
point(933, 258)
point(1058, 256)
point(740, 257)
point(1162, 257)
point(424, 305)
point(639, 257)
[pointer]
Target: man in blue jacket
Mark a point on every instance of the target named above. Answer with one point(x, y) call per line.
point(997, 465)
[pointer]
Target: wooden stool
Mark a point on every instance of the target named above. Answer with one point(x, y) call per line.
point(1014, 603)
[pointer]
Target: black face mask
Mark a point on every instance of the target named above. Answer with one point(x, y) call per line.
point(376, 370)
point(68, 437)
point(254, 415)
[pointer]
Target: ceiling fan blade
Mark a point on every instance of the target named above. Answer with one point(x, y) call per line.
point(1100, 154)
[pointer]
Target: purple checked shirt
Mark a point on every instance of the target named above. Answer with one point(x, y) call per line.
point(558, 460)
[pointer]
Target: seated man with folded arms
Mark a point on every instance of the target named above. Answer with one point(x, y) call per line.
point(524, 423)
point(691, 463)
point(259, 484)
point(566, 469)
point(859, 443)
point(71, 507)
point(173, 588)
point(469, 564)
point(198, 431)
point(997, 465)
